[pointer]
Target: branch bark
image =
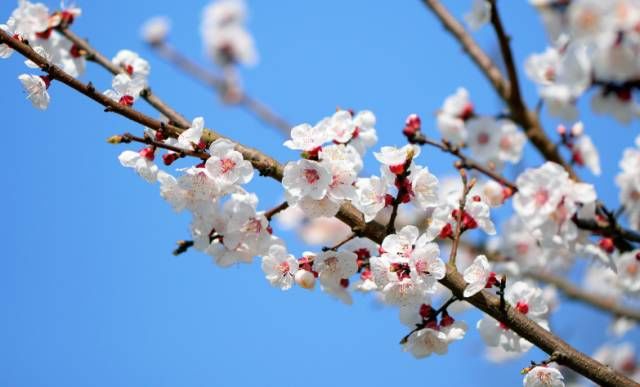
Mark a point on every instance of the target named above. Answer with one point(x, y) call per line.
point(484, 300)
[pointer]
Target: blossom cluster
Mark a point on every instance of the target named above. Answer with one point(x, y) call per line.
point(594, 45)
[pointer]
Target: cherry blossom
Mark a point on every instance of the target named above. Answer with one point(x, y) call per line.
point(427, 341)
point(141, 162)
point(334, 266)
point(371, 194)
point(190, 138)
point(279, 267)
point(132, 64)
point(306, 178)
point(30, 19)
point(125, 89)
point(226, 165)
point(424, 187)
point(9, 27)
point(307, 138)
point(527, 300)
point(395, 158)
point(224, 35)
point(36, 88)
point(478, 276)
point(543, 376)
point(456, 109)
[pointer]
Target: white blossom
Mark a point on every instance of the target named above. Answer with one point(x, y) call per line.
point(143, 165)
point(543, 376)
point(156, 29)
point(36, 88)
point(279, 267)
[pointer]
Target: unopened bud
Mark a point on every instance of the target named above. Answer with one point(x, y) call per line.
point(607, 245)
point(115, 140)
point(305, 279)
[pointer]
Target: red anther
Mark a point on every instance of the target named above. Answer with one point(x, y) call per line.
point(432, 324)
point(467, 111)
point(75, 51)
point(47, 80)
point(522, 307)
point(126, 100)
point(492, 280)
point(425, 311)
point(397, 169)
point(388, 200)
point(148, 153)
point(577, 158)
point(446, 320)
point(46, 34)
point(363, 254)
point(366, 274)
point(356, 132)
point(607, 245)
point(624, 94)
point(507, 192)
point(446, 232)
point(169, 158)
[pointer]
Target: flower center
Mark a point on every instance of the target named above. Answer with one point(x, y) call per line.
point(522, 307)
point(483, 138)
point(541, 197)
point(283, 268)
point(226, 165)
point(311, 175)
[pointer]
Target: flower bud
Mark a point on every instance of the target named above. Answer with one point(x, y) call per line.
point(305, 279)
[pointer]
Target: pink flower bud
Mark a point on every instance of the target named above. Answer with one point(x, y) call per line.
point(305, 279)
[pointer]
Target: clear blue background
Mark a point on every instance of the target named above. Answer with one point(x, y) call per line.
point(89, 291)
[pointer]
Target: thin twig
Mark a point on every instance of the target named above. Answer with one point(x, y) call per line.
point(276, 210)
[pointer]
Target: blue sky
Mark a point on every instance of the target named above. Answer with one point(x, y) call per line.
point(90, 291)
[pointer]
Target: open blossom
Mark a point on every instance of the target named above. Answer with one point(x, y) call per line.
point(395, 158)
point(427, 341)
point(141, 162)
point(279, 267)
point(132, 64)
point(194, 190)
point(629, 272)
point(444, 218)
point(370, 196)
point(334, 266)
point(478, 276)
point(424, 186)
point(125, 90)
point(226, 165)
point(456, 109)
point(224, 35)
point(629, 182)
point(30, 19)
point(527, 300)
point(494, 140)
point(306, 178)
point(192, 136)
point(343, 163)
point(358, 131)
point(307, 138)
point(585, 153)
point(543, 376)
point(545, 190)
point(156, 29)
point(621, 358)
point(9, 28)
point(36, 87)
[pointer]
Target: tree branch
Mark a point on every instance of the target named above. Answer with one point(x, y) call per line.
point(484, 300)
point(594, 300)
point(220, 85)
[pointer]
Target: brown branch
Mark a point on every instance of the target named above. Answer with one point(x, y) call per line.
point(527, 119)
point(220, 85)
point(594, 300)
point(466, 187)
point(276, 210)
point(484, 300)
point(128, 137)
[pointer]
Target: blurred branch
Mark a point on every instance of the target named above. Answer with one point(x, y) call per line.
point(484, 300)
point(221, 86)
